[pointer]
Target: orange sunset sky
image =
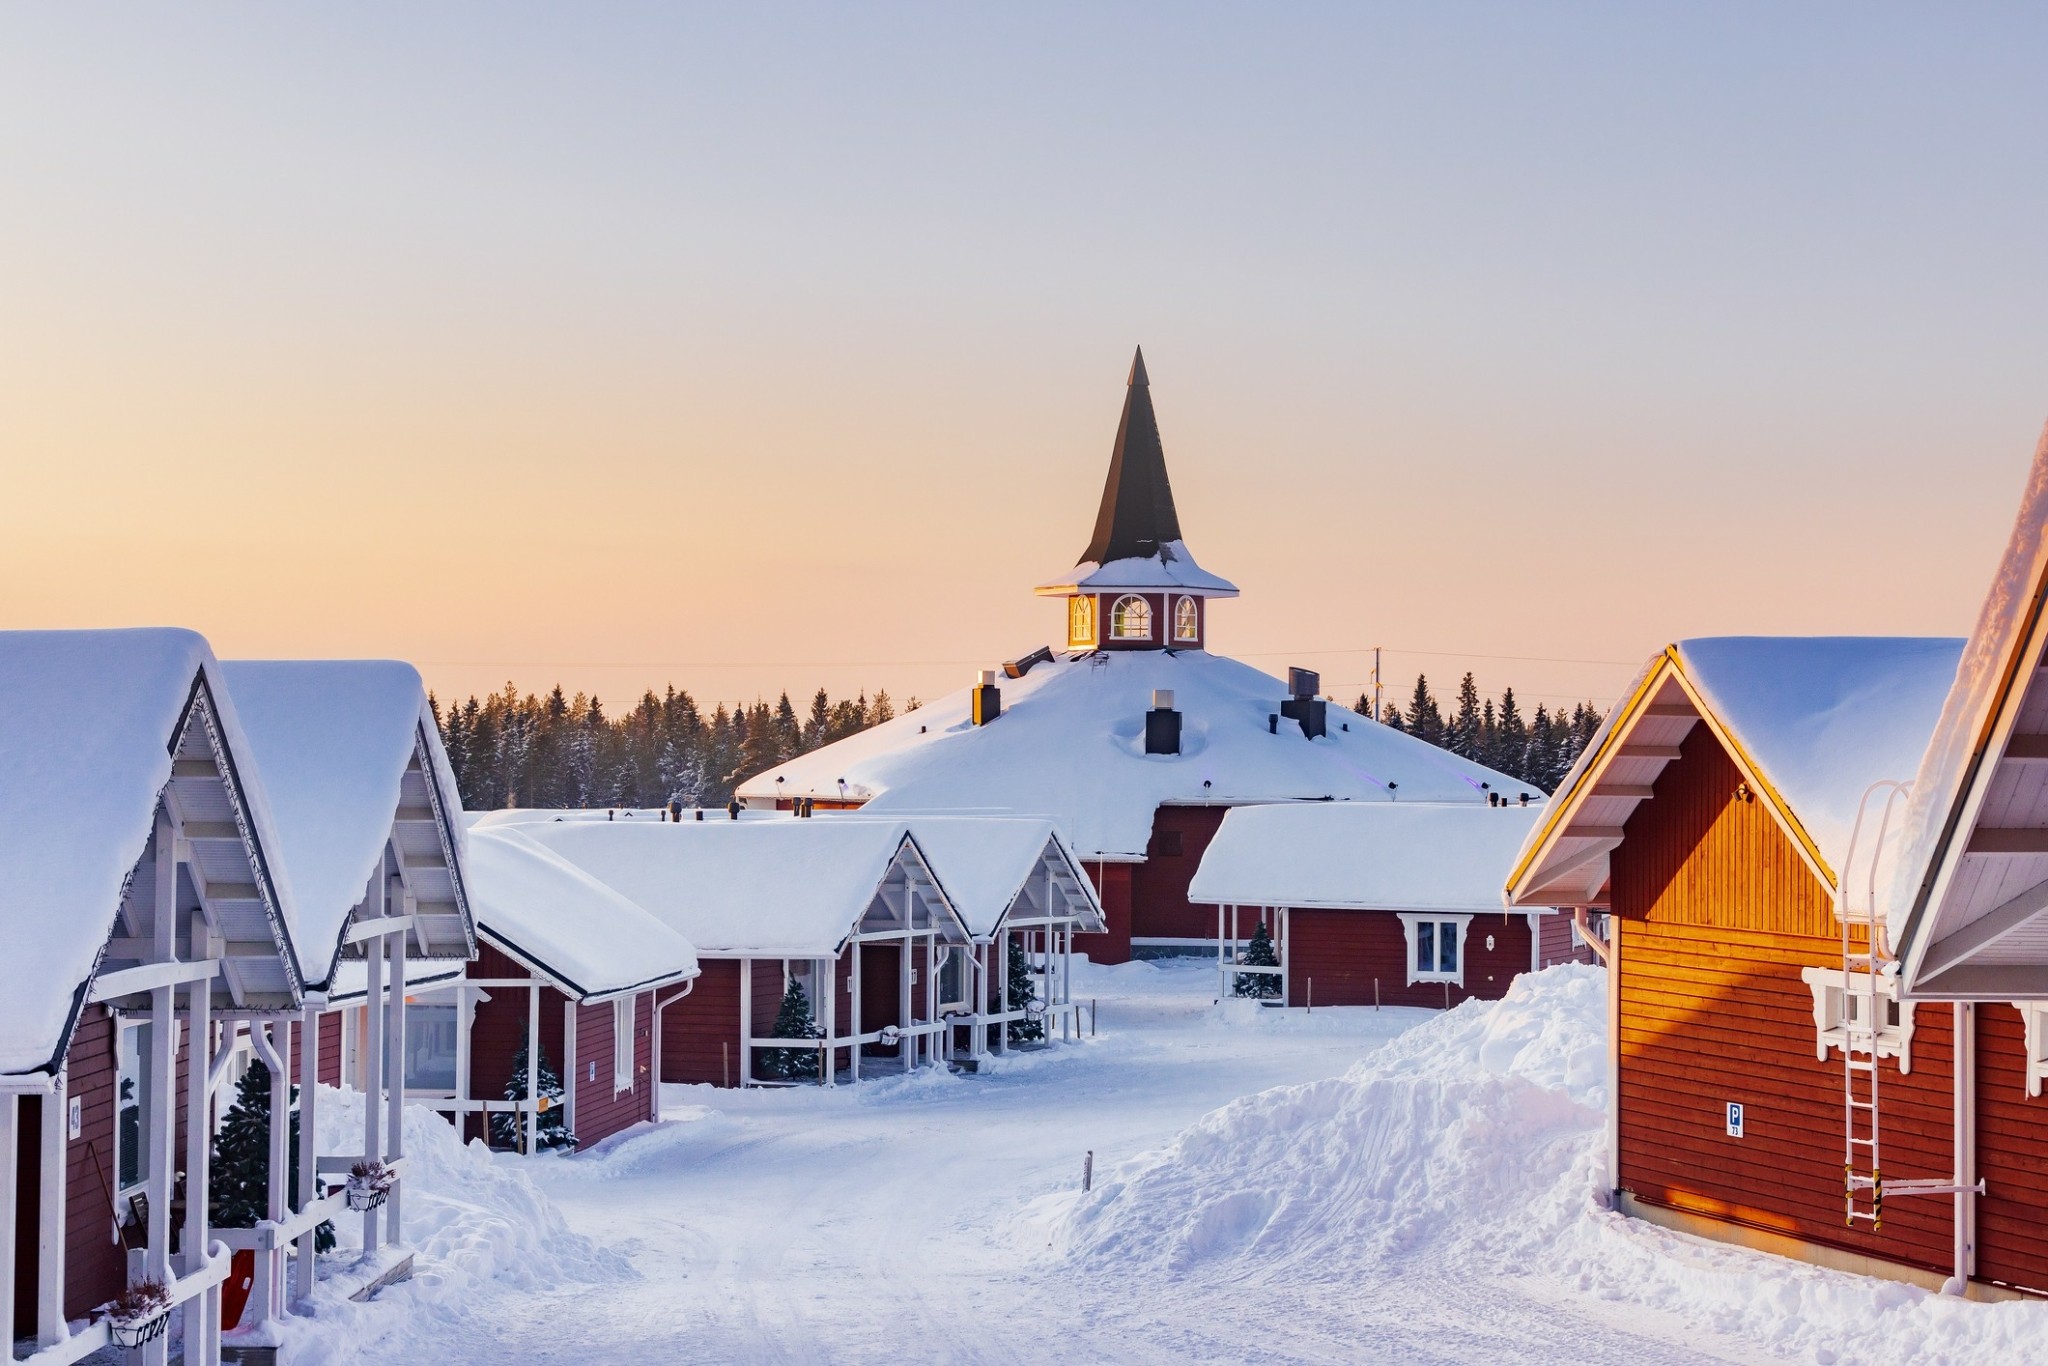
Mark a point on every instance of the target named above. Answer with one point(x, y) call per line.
point(769, 349)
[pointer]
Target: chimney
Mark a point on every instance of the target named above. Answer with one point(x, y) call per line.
point(1303, 705)
point(1017, 668)
point(1162, 724)
point(988, 698)
point(732, 809)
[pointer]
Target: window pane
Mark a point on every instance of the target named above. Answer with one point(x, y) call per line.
point(1425, 946)
point(430, 1047)
point(622, 1043)
point(1447, 946)
point(132, 1099)
point(952, 987)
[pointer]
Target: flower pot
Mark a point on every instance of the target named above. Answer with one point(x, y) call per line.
point(136, 1332)
point(235, 1290)
point(362, 1199)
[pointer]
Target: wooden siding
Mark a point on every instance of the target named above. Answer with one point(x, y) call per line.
point(499, 1029)
point(2012, 1217)
point(601, 1111)
point(1160, 908)
point(95, 1267)
point(1559, 945)
point(1339, 956)
point(327, 1064)
point(700, 1034)
point(1113, 887)
point(1715, 915)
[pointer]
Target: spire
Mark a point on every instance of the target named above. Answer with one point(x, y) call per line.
point(1137, 515)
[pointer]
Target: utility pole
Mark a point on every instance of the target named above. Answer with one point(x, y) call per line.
point(1378, 710)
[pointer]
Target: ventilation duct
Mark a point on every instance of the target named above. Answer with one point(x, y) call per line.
point(1162, 724)
point(988, 698)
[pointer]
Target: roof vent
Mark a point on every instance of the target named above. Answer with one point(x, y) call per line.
point(1017, 668)
point(1162, 724)
point(1303, 705)
point(988, 698)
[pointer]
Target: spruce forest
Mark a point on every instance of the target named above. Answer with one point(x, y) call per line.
point(562, 751)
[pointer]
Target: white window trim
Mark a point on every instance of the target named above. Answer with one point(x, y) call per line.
point(1409, 920)
point(1194, 630)
point(1141, 600)
point(1830, 988)
point(2034, 1014)
point(624, 1009)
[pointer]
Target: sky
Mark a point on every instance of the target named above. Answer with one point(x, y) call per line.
point(773, 346)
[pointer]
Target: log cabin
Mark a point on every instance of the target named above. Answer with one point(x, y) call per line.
point(1376, 903)
point(369, 828)
point(148, 912)
point(570, 972)
point(1721, 814)
point(1135, 738)
point(848, 910)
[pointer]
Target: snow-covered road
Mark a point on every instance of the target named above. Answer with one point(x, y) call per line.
point(907, 1219)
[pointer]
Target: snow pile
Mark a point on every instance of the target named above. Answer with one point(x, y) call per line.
point(1469, 1151)
point(472, 1219)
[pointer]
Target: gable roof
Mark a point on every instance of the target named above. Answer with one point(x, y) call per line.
point(1069, 746)
point(1812, 722)
point(352, 760)
point(567, 925)
point(753, 888)
point(96, 727)
point(1969, 889)
point(1001, 868)
point(1399, 856)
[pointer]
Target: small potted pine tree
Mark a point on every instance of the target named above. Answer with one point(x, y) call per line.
point(509, 1130)
point(139, 1314)
point(1024, 996)
point(793, 1020)
point(1259, 986)
point(238, 1181)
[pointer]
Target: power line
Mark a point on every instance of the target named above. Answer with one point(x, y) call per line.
point(937, 663)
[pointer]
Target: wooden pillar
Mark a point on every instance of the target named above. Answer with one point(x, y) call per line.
point(198, 1132)
point(50, 1326)
point(533, 1069)
point(746, 1022)
point(829, 974)
point(465, 1020)
point(309, 1154)
point(10, 1209)
point(853, 1062)
point(906, 1044)
point(1003, 993)
point(394, 1044)
point(370, 1050)
point(574, 1074)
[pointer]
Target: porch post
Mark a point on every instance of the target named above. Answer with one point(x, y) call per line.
point(533, 1068)
point(574, 1076)
point(465, 1017)
point(370, 1053)
point(309, 1153)
point(830, 976)
point(1280, 918)
point(50, 1325)
point(746, 1057)
point(1003, 994)
point(853, 1061)
point(906, 1046)
point(394, 1044)
point(10, 1208)
point(198, 1150)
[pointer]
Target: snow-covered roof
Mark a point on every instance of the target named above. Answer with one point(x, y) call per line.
point(566, 924)
point(95, 726)
point(997, 868)
point(351, 980)
point(755, 888)
point(1172, 568)
point(352, 759)
point(1400, 856)
point(1070, 746)
point(1969, 888)
point(1812, 720)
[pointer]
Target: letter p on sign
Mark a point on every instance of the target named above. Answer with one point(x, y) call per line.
point(1735, 1119)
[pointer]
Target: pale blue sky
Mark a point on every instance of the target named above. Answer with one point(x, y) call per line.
point(758, 346)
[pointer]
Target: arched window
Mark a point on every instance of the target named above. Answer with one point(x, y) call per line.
point(1081, 620)
point(1186, 620)
point(1131, 618)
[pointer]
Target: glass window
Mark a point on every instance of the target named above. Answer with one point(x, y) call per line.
point(622, 1043)
point(953, 978)
point(1186, 620)
point(1447, 946)
point(430, 1047)
point(131, 1123)
point(1081, 620)
point(1425, 946)
point(1131, 618)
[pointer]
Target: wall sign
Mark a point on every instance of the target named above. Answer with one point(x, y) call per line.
point(1735, 1119)
point(77, 1117)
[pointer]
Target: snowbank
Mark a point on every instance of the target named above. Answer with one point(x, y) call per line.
point(472, 1218)
point(1470, 1150)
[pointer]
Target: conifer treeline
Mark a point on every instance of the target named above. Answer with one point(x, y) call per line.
point(563, 751)
point(1539, 750)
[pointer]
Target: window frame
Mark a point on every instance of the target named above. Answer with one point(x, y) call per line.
point(413, 1032)
point(1081, 620)
point(1411, 923)
point(1118, 616)
point(2034, 1017)
point(131, 1051)
point(1186, 605)
point(625, 1022)
point(1832, 993)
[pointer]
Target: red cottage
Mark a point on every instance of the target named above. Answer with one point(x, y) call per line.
point(1376, 903)
point(848, 910)
point(1134, 739)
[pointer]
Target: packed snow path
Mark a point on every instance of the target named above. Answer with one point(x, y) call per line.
point(908, 1219)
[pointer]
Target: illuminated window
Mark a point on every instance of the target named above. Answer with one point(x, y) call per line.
point(1436, 948)
point(1131, 618)
point(1081, 621)
point(1186, 620)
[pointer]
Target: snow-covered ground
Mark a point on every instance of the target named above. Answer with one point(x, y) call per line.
point(1352, 1185)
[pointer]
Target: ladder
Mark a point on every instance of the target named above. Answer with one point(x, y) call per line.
point(1863, 1184)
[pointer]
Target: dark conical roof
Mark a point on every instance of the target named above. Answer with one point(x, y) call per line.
point(1137, 515)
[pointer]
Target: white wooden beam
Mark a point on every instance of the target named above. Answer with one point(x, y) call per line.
point(1664, 752)
point(1632, 791)
point(110, 986)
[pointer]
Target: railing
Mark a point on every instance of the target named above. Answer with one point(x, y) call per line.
point(98, 1335)
point(270, 1237)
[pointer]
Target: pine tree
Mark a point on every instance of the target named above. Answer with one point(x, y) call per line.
point(1023, 991)
point(238, 1177)
point(793, 1020)
point(1463, 733)
point(1425, 721)
point(509, 1130)
point(1259, 954)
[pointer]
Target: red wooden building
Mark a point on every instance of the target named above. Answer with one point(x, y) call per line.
point(1134, 738)
point(1718, 815)
point(1376, 903)
point(847, 908)
point(571, 973)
